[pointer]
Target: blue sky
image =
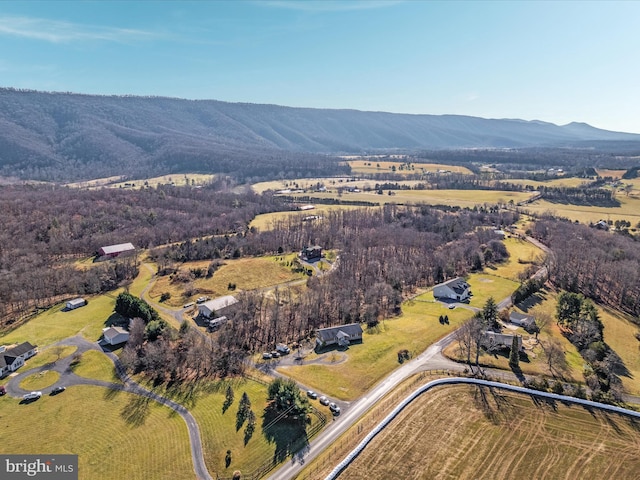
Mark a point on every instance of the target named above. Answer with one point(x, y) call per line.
point(551, 61)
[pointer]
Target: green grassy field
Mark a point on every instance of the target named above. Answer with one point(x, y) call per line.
point(245, 273)
point(146, 440)
point(484, 285)
point(94, 364)
point(218, 425)
point(179, 179)
point(55, 324)
point(521, 254)
point(471, 433)
point(266, 221)
point(373, 166)
point(377, 356)
point(49, 355)
point(37, 381)
point(619, 333)
point(461, 198)
point(629, 209)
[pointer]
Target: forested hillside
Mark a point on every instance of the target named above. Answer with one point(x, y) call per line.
point(63, 136)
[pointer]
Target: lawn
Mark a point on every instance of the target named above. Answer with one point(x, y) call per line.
point(37, 381)
point(367, 363)
point(148, 440)
point(521, 254)
point(485, 285)
point(245, 273)
point(49, 355)
point(94, 364)
point(536, 360)
point(55, 324)
point(476, 433)
point(218, 425)
point(619, 334)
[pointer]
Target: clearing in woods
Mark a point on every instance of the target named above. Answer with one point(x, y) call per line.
point(468, 432)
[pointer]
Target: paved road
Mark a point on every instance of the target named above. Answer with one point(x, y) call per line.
point(430, 359)
point(68, 378)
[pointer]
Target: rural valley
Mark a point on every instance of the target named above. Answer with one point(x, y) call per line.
point(319, 239)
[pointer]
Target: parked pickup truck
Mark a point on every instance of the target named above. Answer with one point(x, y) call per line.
point(282, 348)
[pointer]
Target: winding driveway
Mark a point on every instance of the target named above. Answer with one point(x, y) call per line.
point(68, 378)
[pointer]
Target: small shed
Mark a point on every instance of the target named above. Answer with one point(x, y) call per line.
point(112, 251)
point(76, 303)
point(115, 335)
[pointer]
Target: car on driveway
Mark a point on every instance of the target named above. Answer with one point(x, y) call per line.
point(452, 306)
point(32, 396)
point(3, 390)
point(58, 390)
point(324, 400)
point(311, 394)
point(335, 409)
point(275, 354)
point(266, 356)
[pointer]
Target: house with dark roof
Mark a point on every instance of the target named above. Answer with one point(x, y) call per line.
point(496, 341)
point(342, 335)
point(456, 289)
point(13, 358)
point(311, 254)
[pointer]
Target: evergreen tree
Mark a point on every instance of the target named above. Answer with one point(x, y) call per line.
point(514, 355)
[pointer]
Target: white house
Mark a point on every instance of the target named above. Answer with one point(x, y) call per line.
point(525, 321)
point(76, 303)
point(115, 335)
point(455, 289)
point(342, 335)
point(13, 358)
point(217, 305)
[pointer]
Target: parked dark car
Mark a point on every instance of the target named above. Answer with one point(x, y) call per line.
point(58, 390)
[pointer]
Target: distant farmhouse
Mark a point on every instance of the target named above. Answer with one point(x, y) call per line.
point(115, 335)
point(113, 251)
point(492, 340)
point(341, 336)
point(76, 303)
point(457, 289)
point(216, 306)
point(311, 254)
point(13, 358)
point(525, 321)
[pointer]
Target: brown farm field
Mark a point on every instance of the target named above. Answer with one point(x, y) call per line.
point(468, 432)
point(178, 179)
point(267, 221)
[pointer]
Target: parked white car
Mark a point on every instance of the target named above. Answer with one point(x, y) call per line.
point(32, 396)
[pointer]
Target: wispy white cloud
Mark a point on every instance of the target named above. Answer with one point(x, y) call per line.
point(56, 31)
point(321, 6)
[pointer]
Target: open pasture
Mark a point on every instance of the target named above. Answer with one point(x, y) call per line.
point(401, 168)
point(467, 432)
point(629, 209)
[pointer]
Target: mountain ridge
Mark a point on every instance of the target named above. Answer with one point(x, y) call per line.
point(39, 130)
